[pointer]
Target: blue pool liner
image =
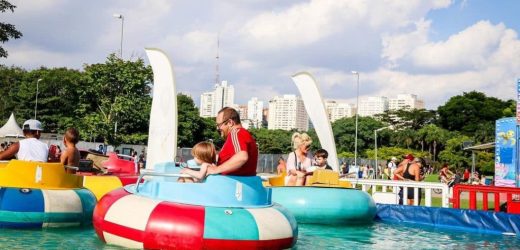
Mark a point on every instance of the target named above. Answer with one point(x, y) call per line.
point(460, 219)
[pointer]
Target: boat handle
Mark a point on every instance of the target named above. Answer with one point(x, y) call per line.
point(71, 167)
point(153, 173)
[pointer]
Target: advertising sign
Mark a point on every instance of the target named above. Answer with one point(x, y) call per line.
point(518, 101)
point(505, 152)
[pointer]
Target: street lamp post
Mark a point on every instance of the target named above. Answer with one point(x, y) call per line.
point(36, 102)
point(375, 146)
point(357, 112)
point(119, 16)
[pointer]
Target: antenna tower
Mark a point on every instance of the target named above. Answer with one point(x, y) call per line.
point(217, 76)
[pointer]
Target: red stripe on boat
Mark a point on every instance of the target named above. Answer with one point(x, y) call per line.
point(248, 244)
point(102, 207)
point(175, 226)
point(124, 232)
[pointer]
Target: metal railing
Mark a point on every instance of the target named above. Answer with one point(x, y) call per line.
point(393, 187)
point(153, 173)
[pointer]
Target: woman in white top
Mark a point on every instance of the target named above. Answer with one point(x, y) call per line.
point(299, 160)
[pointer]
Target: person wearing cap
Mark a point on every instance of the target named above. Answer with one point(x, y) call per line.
point(30, 148)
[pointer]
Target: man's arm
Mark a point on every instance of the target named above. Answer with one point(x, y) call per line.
point(234, 163)
point(10, 151)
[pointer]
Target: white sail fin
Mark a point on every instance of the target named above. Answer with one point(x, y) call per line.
point(162, 134)
point(317, 112)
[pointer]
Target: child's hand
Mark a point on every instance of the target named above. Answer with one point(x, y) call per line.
point(184, 171)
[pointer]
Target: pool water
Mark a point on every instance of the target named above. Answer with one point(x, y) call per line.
point(376, 236)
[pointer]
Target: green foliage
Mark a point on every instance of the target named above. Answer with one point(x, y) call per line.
point(473, 113)
point(95, 99)
point(434, 137)
point(405, 138)
point(191, 127)
point(408, 119)
point(485, 162)
point(273, 141)
point(386, 153)
point(10, 81)
point(453, 153)
point(7, 31)
point(346, 155)
point(57, 97)
point(113, 92)
point(344, 133)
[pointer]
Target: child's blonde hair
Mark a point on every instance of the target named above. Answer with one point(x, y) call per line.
point(204, 151)
point(301, 139)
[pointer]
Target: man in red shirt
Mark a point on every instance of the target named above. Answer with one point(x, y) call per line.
point(239, 154)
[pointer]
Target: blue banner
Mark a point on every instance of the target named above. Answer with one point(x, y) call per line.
point(505, 152)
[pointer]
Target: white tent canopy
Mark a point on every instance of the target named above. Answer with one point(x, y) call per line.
point(11, 128)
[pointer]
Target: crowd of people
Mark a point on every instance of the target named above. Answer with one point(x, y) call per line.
point(238, 156)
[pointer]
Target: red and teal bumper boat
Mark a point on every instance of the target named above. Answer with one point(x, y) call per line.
point(224, 212)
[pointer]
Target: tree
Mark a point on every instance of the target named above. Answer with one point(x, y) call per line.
point(57, 97)
point(10, 79)
point(191, 127)
point(7, 31)
point(404, 138)
point(273, 141)
point(344, 133)
point(434, 136)
point(472, 111)
point(410, 119)
point(115, 94)
point(386, 153)
point(454, 154)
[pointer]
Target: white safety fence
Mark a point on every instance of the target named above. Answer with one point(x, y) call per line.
point(388, 193)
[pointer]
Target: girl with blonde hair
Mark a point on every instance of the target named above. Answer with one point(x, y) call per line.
point(204, 154)
point(299, 160)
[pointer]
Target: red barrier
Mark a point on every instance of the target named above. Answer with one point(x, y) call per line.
point(513, 206)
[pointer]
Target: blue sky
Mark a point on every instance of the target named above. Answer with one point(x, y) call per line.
point(433, 48)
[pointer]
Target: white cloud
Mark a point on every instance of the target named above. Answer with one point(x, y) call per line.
point(299, 25)
point(468, 50)
point(264, 42)
point(397, 46)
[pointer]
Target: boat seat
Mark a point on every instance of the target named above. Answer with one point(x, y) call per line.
point(277, 181)
point(326, 178)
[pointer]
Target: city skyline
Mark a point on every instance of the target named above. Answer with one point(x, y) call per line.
point(288, 111)
point(435, 49)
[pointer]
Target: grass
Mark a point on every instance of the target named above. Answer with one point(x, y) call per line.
point(464, 204)
point(437, 201)
point(432, 178)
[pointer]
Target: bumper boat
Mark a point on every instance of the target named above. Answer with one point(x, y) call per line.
point(36, 195)
point(103, 173)
point(325, 200)
point(224, 212)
